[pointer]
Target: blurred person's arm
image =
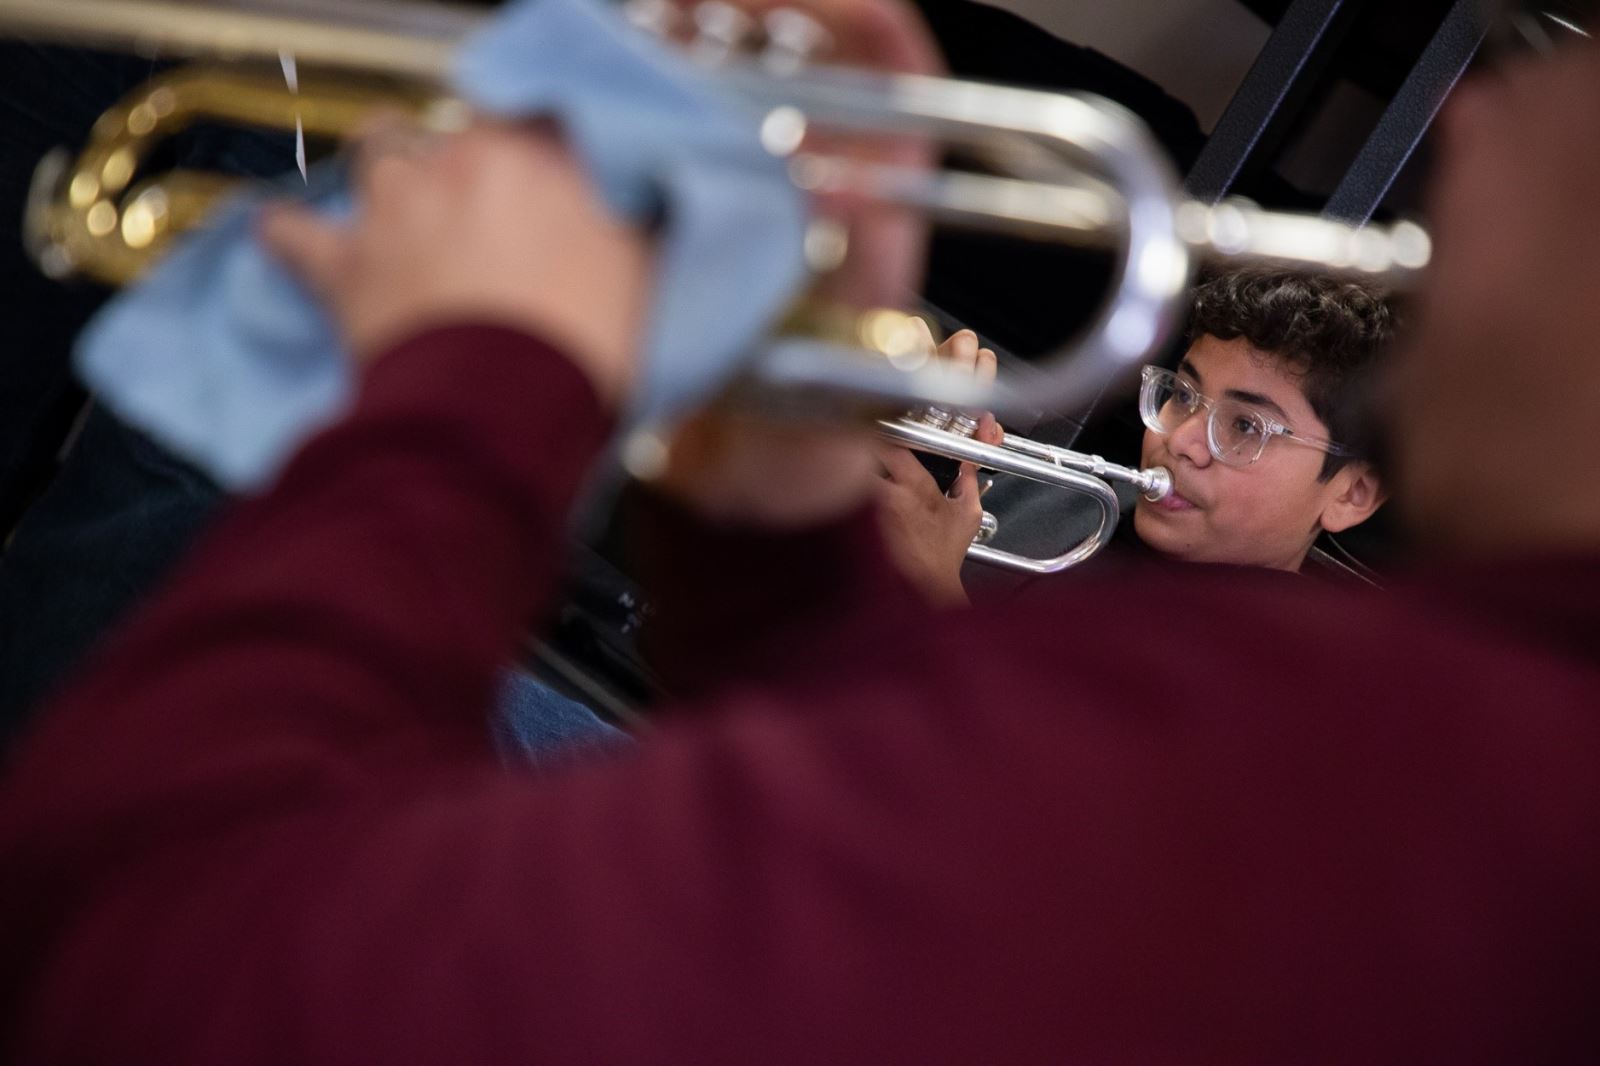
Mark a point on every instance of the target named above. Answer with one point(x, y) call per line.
point(303, 708)
point(339, 639)
point(496, 304)
point(768, 542)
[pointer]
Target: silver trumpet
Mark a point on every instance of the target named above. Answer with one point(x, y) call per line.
point(936, 431)
point(1068, 168)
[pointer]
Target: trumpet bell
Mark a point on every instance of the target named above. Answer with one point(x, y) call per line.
point(100, 217)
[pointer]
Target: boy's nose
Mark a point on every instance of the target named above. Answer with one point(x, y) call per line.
point(1189, 439)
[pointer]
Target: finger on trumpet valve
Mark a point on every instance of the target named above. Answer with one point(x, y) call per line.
point(957, 422)
point(963, 425)
point(721, 30)
point(660, 18)
point(794, 38)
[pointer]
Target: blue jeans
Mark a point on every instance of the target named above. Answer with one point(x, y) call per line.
point(533, 724)
point(122, 512)
point(119, 514)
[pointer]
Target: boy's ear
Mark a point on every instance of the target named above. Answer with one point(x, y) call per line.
point(1355, 493)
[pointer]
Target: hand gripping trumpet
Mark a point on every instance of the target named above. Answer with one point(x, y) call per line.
point(1054, 167)
point(1044, 463)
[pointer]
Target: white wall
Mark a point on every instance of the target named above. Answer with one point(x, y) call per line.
point(1198, 50)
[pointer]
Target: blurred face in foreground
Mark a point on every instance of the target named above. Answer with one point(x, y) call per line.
point(1500, 390)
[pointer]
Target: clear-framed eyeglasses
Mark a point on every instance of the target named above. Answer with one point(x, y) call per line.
point(1236, 433)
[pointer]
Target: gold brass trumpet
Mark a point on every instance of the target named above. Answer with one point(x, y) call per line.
point(1061, 168)
point(92, 216)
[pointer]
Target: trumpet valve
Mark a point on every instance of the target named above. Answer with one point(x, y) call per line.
point(963, 425)
point(721, 30)
point(958, 423)
point(659, 18)
point(794, 38)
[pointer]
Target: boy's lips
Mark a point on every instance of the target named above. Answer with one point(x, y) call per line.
point(1175, 501)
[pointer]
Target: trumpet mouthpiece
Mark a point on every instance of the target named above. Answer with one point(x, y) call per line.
point(1159, 484)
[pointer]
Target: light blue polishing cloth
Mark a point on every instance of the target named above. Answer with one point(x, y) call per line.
point(222, 356)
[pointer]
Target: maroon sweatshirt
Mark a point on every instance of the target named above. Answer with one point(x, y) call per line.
point(1161, 819)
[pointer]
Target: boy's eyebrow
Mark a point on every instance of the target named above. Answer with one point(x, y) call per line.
point(1255, 399)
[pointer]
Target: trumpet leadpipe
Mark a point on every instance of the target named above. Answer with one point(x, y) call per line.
point(998, 457)
point(1077, 211)
point(1154, 483)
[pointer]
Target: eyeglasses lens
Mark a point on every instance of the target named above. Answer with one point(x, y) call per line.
point(1166, 401)
point(1237, 433)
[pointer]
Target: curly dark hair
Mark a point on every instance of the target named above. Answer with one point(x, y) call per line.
point(1329, 331)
